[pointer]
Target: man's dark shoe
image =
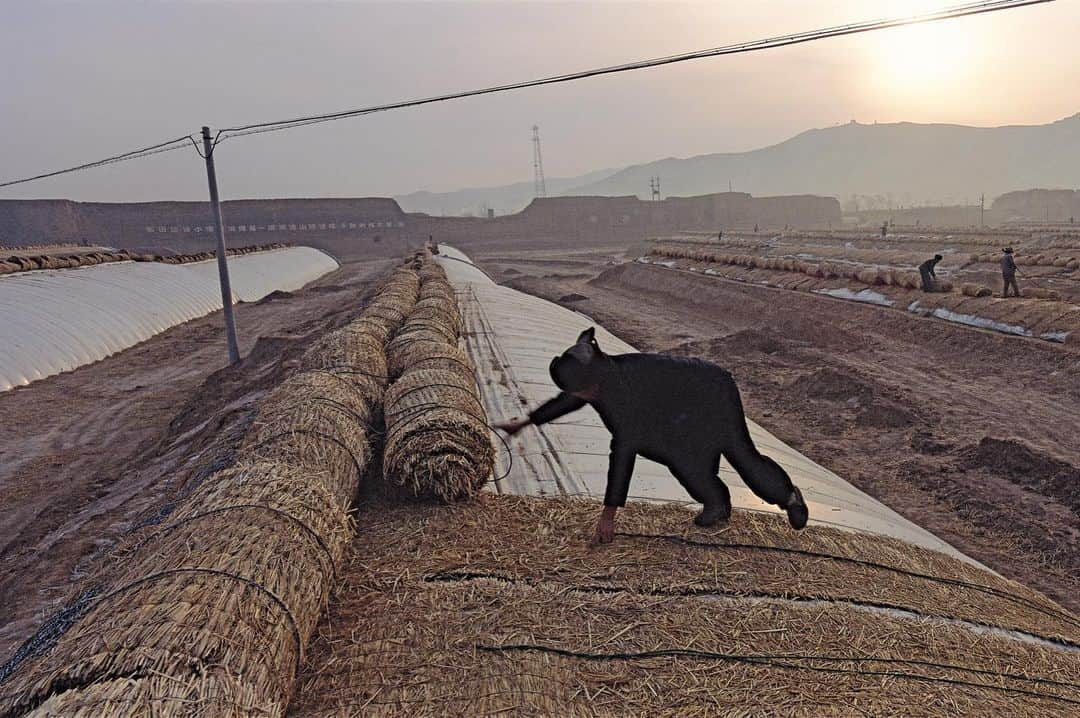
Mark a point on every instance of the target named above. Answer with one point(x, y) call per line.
point(797, 513)
point(712, 515)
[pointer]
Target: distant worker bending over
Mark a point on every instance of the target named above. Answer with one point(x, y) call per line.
point(926, 271)
point(682, 413)
point(1008, 272)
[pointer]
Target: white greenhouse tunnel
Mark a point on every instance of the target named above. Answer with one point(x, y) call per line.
point(59, 320)
point(512, 337)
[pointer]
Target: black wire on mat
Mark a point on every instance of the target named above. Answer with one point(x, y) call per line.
point(460, 575)
point(318, 434)
point(278, 601)
point(863, 562)
point(261, 507)
point(783, 661)
point(49, 633)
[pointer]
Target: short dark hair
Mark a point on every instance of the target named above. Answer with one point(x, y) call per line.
point(569, 374)
point(938, 257)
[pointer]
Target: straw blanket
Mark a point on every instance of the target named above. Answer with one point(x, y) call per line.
point(517, 615)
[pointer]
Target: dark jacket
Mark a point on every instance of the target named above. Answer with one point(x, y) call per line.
point(668, 409)
point(1008, 265)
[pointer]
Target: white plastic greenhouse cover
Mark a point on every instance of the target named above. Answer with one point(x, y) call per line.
point(512, 336)
point(57, 320)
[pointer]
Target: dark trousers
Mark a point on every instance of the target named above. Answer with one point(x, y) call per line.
point(927, 281)
point(763, 476)
point(1009, 280)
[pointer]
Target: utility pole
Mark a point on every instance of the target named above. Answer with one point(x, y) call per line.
point(982, 209)
point(539, 185)
point(222, 263)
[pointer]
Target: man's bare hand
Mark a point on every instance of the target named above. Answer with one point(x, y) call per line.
point(605, 528)
point(513, 426)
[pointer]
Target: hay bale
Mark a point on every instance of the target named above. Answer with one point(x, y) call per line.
point(866, 276)
point(229, 589)
point(438, 442)
point(405, 351)
point(975, 290)
point(320, 500)
point(1061, 261)
point(437, 311)
point(321, 420)
point(1073, 264)
point(1042, 293)
point(435, 355)
point(219, 602)
point(352, 350)
point(426, 325)
point(943, 285)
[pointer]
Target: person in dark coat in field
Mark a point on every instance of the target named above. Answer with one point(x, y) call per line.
point(1008, 273)
point(683, 413)
point(926, 271)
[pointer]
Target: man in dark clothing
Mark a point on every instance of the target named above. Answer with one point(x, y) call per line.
point(926, 271)
point(1008, 272)
point(683, 413)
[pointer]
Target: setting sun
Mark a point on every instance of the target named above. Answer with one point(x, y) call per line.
point(922, 59)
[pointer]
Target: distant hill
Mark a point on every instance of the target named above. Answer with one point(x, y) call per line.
point(504, 200)
point(911, 162)
point(922, 162)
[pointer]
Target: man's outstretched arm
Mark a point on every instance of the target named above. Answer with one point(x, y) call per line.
point(550, 410)
point(620, 468)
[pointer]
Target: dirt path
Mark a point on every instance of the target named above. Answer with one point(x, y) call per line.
point(83, 454)
point(971, 434)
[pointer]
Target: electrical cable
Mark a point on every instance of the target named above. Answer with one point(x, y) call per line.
point(177, 144)
point(783, 661)
point(973, 8)
point(869, 564)
point(462, 575)
point(281, 513)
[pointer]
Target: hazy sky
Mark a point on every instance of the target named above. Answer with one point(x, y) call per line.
point(88, 79)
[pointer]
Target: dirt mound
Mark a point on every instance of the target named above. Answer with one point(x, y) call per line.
point(573, 297)
point(756, 340)
point(885, 414)
point(274, 296)
point(510, 271)
point(1028, 467)
point(612, 275)
point(738, 343)
point(832, 385)
point(926, 443)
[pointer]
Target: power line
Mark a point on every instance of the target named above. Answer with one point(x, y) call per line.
point(178, 144)
point(972, 8)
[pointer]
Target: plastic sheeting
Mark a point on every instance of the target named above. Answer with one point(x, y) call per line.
point(512, 336)
point(57, 320)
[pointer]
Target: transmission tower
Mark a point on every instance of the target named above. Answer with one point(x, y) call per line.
point(654, 186)
point(539, 186)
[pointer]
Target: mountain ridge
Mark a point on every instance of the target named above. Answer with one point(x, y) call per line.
point(896, 163)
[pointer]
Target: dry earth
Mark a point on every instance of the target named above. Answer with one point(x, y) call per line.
point(972, 434)
point(86, 454)
point(969, 433)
